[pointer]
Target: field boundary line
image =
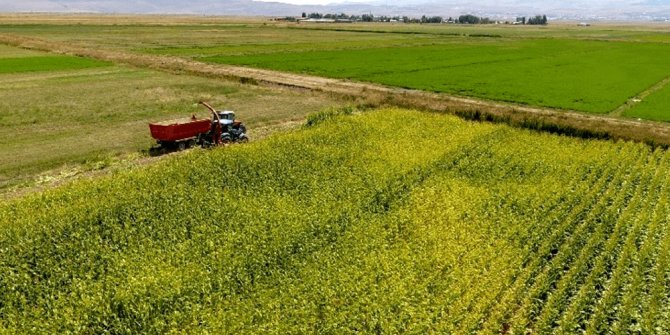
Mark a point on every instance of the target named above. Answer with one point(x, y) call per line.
point(543, 119)
point(634, 101)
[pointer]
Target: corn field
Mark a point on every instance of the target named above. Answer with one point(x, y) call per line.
point(384, 222)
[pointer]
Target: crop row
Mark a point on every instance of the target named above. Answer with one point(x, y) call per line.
point(420, 223)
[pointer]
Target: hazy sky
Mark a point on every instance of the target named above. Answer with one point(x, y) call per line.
point(326, 2)
point(306, 2)
point(596, 9)
point(407, 2)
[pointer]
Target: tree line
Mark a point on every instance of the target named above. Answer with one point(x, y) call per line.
point(537, 20)
point(463, 19)
point(372, 18)
point(472, 19)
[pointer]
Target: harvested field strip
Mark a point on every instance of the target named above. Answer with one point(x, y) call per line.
point(542, 119)
point(61, 120)
point(12, 52)
point(421, 223)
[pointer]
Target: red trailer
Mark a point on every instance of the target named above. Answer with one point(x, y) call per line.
point(180, 133)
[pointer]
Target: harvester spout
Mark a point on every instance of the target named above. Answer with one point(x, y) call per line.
point(216, 130)
point(211, 109)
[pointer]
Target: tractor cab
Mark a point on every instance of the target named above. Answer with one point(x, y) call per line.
point(225, 126)
point(227, 117)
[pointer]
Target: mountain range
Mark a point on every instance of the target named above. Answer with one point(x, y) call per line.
point(568, 9)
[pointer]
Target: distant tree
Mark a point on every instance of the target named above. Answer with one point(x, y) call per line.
point(315, 16)
point(435, 19)
point(469, 19)
point(538, 20)
point(367, 17)
point(304, 15)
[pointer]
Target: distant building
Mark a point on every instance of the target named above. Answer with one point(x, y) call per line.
point(313, 20)
point(584, 24)
point(318, 20)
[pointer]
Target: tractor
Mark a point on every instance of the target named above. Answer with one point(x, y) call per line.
point(180, 134)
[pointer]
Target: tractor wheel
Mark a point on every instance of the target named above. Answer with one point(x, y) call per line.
point(181, 146)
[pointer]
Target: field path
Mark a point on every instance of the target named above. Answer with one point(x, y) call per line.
point(610, 126)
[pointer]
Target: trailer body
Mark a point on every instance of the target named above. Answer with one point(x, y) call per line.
point(179, 130)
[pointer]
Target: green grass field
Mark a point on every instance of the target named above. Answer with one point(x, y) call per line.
point(15, 60)
point(592, 70)
point(46, 63)
point(69, 112)
point(390, 221)
point(591, 76)
point(654, 107)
